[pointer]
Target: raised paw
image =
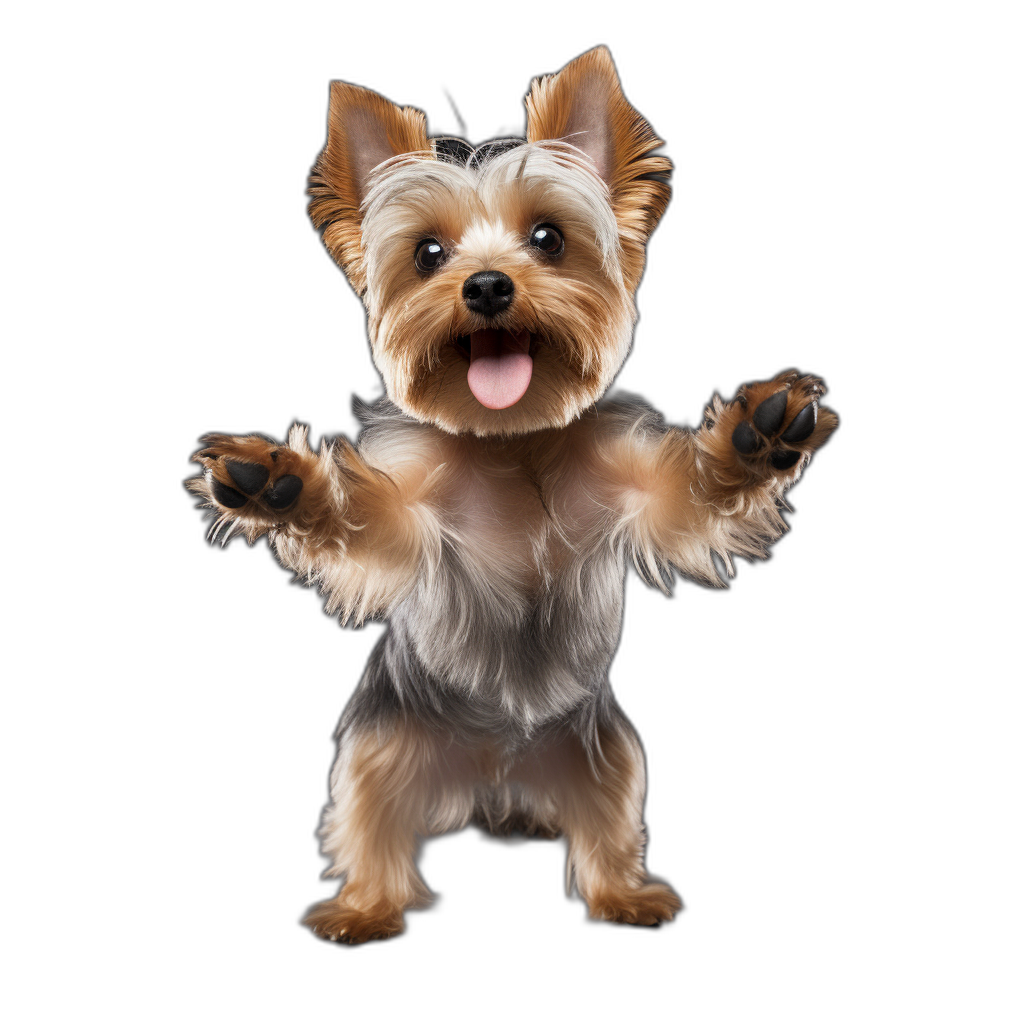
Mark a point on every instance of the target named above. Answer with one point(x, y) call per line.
point(257, 484)
point(648, 904)
point(251, 469)
point(337, 921)
point(771, 427)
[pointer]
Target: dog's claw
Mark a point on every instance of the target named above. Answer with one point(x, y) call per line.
point(250, 477)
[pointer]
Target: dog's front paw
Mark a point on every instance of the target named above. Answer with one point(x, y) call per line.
point(244, 470)
point(252, 478)
point(771, 428)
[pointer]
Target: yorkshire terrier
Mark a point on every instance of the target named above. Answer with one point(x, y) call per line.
point(495, 496)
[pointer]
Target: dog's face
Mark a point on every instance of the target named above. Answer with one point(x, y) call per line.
point(499, 282)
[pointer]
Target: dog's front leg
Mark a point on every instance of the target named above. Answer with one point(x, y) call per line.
point(257, 486)
point(683, 495)
point(359, 533)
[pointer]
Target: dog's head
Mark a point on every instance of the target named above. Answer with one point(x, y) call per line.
point(498, 281)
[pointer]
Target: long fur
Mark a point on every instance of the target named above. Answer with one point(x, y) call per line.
point(495, 542)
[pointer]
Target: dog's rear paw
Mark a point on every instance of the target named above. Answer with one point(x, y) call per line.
point(648, 904)
point(337, 921)
point(772, 427)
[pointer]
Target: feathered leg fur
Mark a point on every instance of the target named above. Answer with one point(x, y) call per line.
point(380, 788)
point(682, 496)
point(358, 532)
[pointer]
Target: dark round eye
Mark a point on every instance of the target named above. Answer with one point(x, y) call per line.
point(429, 255)
point(548, 239)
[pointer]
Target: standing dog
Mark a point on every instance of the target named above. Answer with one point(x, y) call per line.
point(494, 498)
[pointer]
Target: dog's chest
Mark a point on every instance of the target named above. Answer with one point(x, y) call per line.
point(502, 521)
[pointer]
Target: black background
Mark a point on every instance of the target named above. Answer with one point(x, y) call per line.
point(750, 701)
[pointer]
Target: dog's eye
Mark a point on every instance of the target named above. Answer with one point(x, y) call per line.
point(429, 255)
point(548, 239)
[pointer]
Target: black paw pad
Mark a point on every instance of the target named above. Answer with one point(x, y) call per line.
point(803, 424)
point(768, 416)
point(783, 459)
point(284, 492)
point(744, 440)
point(227, 496)
point(250, 477)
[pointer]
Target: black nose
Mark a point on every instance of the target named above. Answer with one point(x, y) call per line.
point(488, 292)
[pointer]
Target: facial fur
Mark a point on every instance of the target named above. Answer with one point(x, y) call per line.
point(381, 188)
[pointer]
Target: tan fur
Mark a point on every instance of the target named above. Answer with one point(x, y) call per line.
point(584, 104)
point(597, 802)
point(577, 307)
point(683, 496)
point(316, 516)
point(370, 522)
point(360, 531)
point(380, 795)
point(377, 190)
point(363, 129)
point(496, 541)
point(394, 786)
point(572, 309)
point(729, 477)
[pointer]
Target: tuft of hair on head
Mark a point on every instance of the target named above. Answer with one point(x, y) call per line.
point(583, 104)
point(363, 131)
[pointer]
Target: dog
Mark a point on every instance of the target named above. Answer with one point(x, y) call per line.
point(496, 494)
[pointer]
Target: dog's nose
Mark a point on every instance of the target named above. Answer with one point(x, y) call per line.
point(488, 292)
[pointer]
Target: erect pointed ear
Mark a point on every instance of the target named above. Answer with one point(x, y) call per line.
point(583, 105)
point(363, 130)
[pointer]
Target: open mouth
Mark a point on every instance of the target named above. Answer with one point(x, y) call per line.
point(500, 365)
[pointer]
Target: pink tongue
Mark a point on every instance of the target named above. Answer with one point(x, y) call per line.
point(500, 367)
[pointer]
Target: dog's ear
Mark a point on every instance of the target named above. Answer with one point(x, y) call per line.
point(583, 105)
point(363, 130)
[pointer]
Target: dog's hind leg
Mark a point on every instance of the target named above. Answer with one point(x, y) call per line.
point(598, 789)
point(390, 786)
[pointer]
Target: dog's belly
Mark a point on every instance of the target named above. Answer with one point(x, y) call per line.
point(527, 650)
